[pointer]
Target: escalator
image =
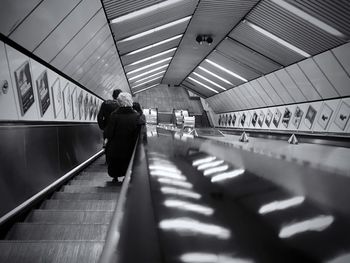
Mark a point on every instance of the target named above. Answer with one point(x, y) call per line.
point(70, 226)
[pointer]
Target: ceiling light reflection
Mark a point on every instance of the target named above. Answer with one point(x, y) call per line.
point(167, 167)
point(280, 205)
point(319, 223)
point(182, 205)
point(209, 165)
point(201, 257)
point(175, 183)
point(189, 225)
point(180, 192)
point(227, 175)
point(214, 170)
point(340, 259)
point(203, 160)
point(167, 174)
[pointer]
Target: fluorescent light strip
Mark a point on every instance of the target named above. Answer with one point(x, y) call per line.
point(226, 70)
point(227, 175)
point(175, 183)
point(212, 82)
point(205, 86)
point(319, 223)
point(309, 18)
point(168, 174)
point(169, 168)
point(217, 169)
point(203, 160)
point(147, 72)
point(215, 75)
point(149, 66)
point(150, 76)
point(209, 165)
point(153, 45)
point(147, 81)
point(146, 88)
point(277, 39)
point(281, 205)
point(187, 206)
point(143, 11)
point(202, 257)
point(180, 192)
point(151, 57)
point(156, 29)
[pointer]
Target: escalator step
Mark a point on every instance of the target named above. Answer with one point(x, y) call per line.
point(50, 251)
point(94, 178)
point(100, 205)
point(85, 196)
point(89, 189)
point(93, 183)
point(70, 217)
point(32, 231)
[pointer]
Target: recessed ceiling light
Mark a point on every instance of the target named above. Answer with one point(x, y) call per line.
point(146, 88)
point(277, 39)
point(150, 76)
point(226, 70)
point(153, 45)
point(212, 82)
point(144, 11)
point(156, 29)
point(205, 86)
point(147, 81)
point(309, 18)
point(151, 57)
point(215, 75)
point(147, 72)
point(148, 66)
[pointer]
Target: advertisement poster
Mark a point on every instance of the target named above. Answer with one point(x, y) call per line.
point(298, 114)
point(219, 121)
point(67, 101)
point(249, 119)
point(243, 119)
point(80, 105)
point(74, 103)
point(286, 117)
point(234, 119)
point(268, 118)
point(24, 87)
point(91, 108)
point(42, 85)
point(57, 97)
point(342, 117)
point(277, 118)
point(310, 117)
point(261, 118)
point(86, 106)
point(325, 116)
point(255, 118)
point(230, 120)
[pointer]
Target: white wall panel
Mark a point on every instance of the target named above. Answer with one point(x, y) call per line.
point(288, 83)
point(247, 93)
point(8, 107)
point(16, 61)
point(235, 103)
point(334, 72)
point(273, 95)
point(255, 95)
point(259, 89)
point(303, 83)
point(318, 79)
point(342, 53)
point(69, 27)
point(279, 88)
point(38, 25)
point(242, 98)
point(12, 12)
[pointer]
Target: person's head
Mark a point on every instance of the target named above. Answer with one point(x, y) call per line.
point(137, 107)
point(124, 99)
point(116, 93)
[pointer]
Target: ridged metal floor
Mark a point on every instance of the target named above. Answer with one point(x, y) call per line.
point(69, 227)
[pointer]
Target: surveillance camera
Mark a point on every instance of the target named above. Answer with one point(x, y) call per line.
point(199, 39)
point(209, 40)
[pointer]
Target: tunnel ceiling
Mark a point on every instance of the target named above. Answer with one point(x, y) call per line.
point(156, 40)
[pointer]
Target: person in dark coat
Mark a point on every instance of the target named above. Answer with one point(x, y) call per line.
point(121, 133)
point(143, 130)
point(106, 109)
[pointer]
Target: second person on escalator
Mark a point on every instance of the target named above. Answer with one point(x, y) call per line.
point(121, 134)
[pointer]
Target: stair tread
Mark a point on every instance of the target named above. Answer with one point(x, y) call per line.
point(40, 231)
point(102, 205)
point(90, 189)
point(100, 183)
point(50, 251)
point(84, 196)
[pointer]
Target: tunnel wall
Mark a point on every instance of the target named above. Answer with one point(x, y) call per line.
point(47, 126)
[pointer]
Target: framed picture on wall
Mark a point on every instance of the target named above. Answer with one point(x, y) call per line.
point(268, 119)
point(57, 97)
point(91, 107)
point(219, 121)
point(24, 86)
point(67, 101)
point(234, 118)
point(286, 117)
point(254, 118)
point(261, 118)
point(277, 117)
point(298, 114)
point(243, 119)
point(310, 117)
point(325, 115)
point(342, 116)
point(230, 119)
point(42, 85)
point(249, 119)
